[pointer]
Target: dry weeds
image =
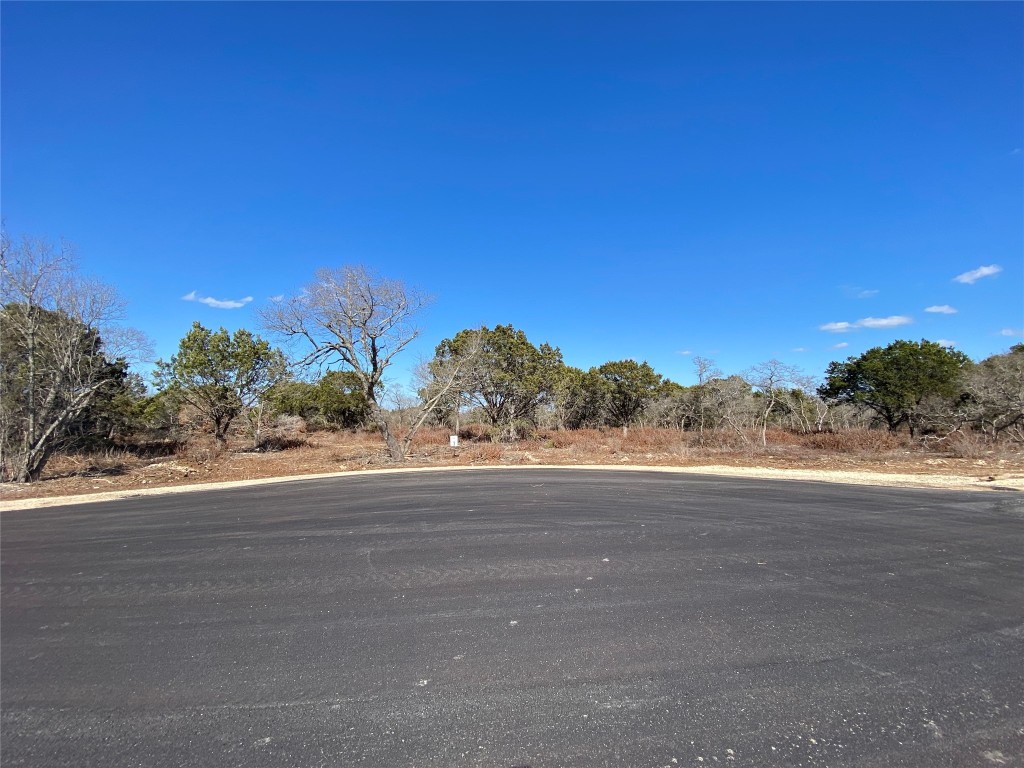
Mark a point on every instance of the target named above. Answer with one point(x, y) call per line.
point(829, 455)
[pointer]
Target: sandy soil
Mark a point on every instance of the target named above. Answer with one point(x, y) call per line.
point(323, 454)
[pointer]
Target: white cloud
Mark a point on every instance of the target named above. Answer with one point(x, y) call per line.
point(969, 278)
point(279, 297)
point(217, 303)
point(885, 322)
point(1012, 332)
point(799, 349)
point(858, 292)
point(841, 345)
point(867, 322)
point(842, 327)
point(684, 352)
point(946, 343)
point(942, 309)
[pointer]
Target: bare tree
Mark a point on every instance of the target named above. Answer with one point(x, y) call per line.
point(442, 383)
point(706, 372)
point(806, 411)
point(59, 349)
point(996, 393)
point(730, 403)
point(403, 408)
point(351, 316)
point(771, 379)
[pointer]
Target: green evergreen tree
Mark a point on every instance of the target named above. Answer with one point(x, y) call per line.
point(896, 381)
point(220, 374)
point(509, 377)
point(629, 386)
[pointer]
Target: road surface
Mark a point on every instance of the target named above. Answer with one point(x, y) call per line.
point(528, 618)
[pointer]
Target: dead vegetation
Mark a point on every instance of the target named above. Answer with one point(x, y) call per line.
point(295, 452)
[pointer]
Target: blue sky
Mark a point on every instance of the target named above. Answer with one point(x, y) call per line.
point(650, 181)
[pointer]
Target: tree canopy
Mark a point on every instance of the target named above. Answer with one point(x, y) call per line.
point(897, 380)
point(509, 377)
point(578, 398)
point(335, 400)
point(628, 386)
point(220, 374)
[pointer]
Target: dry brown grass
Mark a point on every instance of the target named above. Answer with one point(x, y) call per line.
point(863, 441)
point(200, 460)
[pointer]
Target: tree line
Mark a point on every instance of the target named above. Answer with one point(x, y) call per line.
point(65, 379)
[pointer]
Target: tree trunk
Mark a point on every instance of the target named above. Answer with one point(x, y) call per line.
point(380, 420)
point(39, 448)
point(35, 461)
point(220, 433)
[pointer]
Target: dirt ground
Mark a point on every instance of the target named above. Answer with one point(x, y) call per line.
point(891, 463)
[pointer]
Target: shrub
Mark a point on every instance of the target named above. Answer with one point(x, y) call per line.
point(477, 432)
point(558, 438)
point(650, 440)
point(856, 441)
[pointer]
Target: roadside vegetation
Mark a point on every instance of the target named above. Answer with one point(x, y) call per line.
point(232, 405)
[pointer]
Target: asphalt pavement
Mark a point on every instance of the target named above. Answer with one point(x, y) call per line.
point(530, 618)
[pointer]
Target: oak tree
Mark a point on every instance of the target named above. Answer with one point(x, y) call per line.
point(772, 380)
point(350, 316)
point(995, 388)
point(898, 380)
